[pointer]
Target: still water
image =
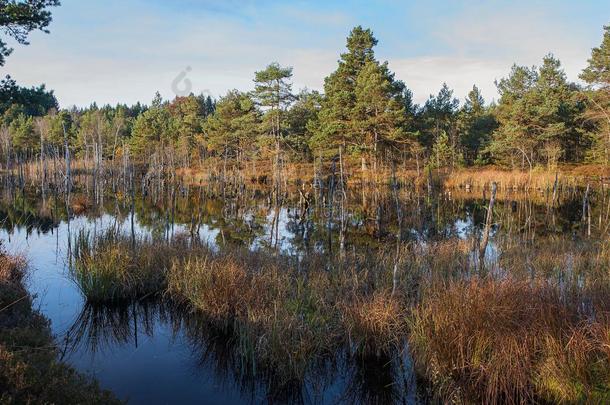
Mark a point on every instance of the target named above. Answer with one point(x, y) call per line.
point(149, 352)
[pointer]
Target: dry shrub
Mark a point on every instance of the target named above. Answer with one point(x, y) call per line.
point(377, 322)
point(508, 341)
point(80, 204)
point(508, 179)
point(11, 268)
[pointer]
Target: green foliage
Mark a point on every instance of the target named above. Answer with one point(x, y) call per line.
point(233, 128)
point(438, 116)
point(538, 110)
point(597, 96)
point(187, 124)
point(598, 70)
point(335, 119)
point(152, 129)
point(379, 113)
point(34, 101)
point(364, 107)
point(23, 137)
point(273, 92)
point(442, 152)
point(19, 18)
point(475, 125)
point(301, 123)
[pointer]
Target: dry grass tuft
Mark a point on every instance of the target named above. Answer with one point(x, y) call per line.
point(510, 179)
point(380, 320)
point(509, 341)
point(113, 267)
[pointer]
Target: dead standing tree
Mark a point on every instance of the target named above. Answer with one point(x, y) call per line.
point(488, 224)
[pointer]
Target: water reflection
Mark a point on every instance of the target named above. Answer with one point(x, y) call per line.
point(153, 352)
point(341, 377)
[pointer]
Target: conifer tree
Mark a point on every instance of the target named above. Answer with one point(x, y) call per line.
point(537, 112)
point(597, 77)
point(232, 130)
point(335, 125)
point(152, 130)
point(379, 114)
point(475, 125)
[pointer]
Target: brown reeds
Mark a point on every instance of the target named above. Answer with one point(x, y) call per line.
point(536, 332)
point(510, 341)
point(538, 179)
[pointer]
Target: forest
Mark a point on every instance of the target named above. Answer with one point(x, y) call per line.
point(541, 119)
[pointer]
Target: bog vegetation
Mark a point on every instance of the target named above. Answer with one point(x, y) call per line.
point(534, 329)
point(531, 323)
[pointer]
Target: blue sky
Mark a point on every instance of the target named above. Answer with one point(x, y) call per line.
point(123, 51)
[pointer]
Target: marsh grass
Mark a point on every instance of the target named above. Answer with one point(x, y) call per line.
point(539, 178)
point(111, 266)
point(512, 341)
point(535, 330)
point(288, 313)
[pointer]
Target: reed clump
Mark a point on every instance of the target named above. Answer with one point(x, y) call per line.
point(538, 178)
point(378, 321)
point(291, 314)
point(557, 258)
point(512, 341)
point(280, 321)
point(112, 266)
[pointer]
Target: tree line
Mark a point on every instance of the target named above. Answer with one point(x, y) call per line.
point(364, 112)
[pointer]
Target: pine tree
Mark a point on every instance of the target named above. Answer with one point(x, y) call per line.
point(438, 116)
point(335, 125)
point(379, 114)
point(187, 124)
point(23, 136)
point(442, 152)
point(232, 130)
point(475, 126)
point(301, 123)
point(597, 73)
point(597, 76)
point(273, 92)
point(537, 112)
point(152, 130)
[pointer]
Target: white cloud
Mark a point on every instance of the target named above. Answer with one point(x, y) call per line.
point(126, 52)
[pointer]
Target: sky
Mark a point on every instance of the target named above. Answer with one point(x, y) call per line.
point(112, 51)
